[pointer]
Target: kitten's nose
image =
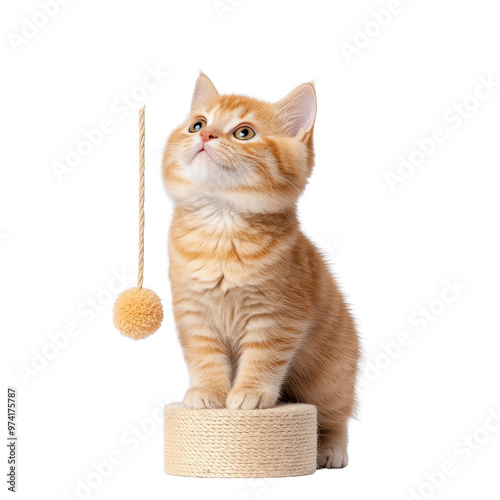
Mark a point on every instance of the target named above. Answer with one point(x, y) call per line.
point(206, 135)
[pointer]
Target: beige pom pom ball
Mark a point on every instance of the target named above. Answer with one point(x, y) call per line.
point(138, 313)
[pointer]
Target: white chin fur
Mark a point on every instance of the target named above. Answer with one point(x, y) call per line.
point(203, 170)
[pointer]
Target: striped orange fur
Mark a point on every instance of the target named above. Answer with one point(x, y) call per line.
point(259, 315)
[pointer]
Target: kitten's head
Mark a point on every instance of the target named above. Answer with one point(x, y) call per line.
point(252, 155)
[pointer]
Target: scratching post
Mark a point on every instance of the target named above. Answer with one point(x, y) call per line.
point(275, 442)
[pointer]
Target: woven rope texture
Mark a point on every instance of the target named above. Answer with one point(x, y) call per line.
point(275, 442)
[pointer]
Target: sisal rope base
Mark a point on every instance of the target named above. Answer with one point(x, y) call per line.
point(276, 442)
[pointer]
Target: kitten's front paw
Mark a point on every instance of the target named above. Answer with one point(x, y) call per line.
point(249, 399)
point(202, 397)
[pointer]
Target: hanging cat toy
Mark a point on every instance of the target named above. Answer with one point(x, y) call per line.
point(138, 311)
point(272, 442)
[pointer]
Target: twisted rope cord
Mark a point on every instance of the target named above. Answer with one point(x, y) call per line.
point(142, 135)
point(276, 442)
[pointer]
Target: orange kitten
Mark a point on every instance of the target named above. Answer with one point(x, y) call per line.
point(259, 315)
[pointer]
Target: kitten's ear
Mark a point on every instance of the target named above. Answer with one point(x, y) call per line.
point(297, 111)
point(204, 93)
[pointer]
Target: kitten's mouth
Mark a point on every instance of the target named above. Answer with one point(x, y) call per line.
point(202, 150)
point(205, 151)
point(210, 155)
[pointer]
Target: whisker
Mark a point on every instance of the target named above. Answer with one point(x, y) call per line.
point(292, 184)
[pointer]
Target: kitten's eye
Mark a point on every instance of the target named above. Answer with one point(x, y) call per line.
point(244, 133)
point(197, 125)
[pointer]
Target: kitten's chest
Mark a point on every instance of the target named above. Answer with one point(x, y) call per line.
point(218, 251)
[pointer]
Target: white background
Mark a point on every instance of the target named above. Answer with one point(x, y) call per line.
point(63, 237)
